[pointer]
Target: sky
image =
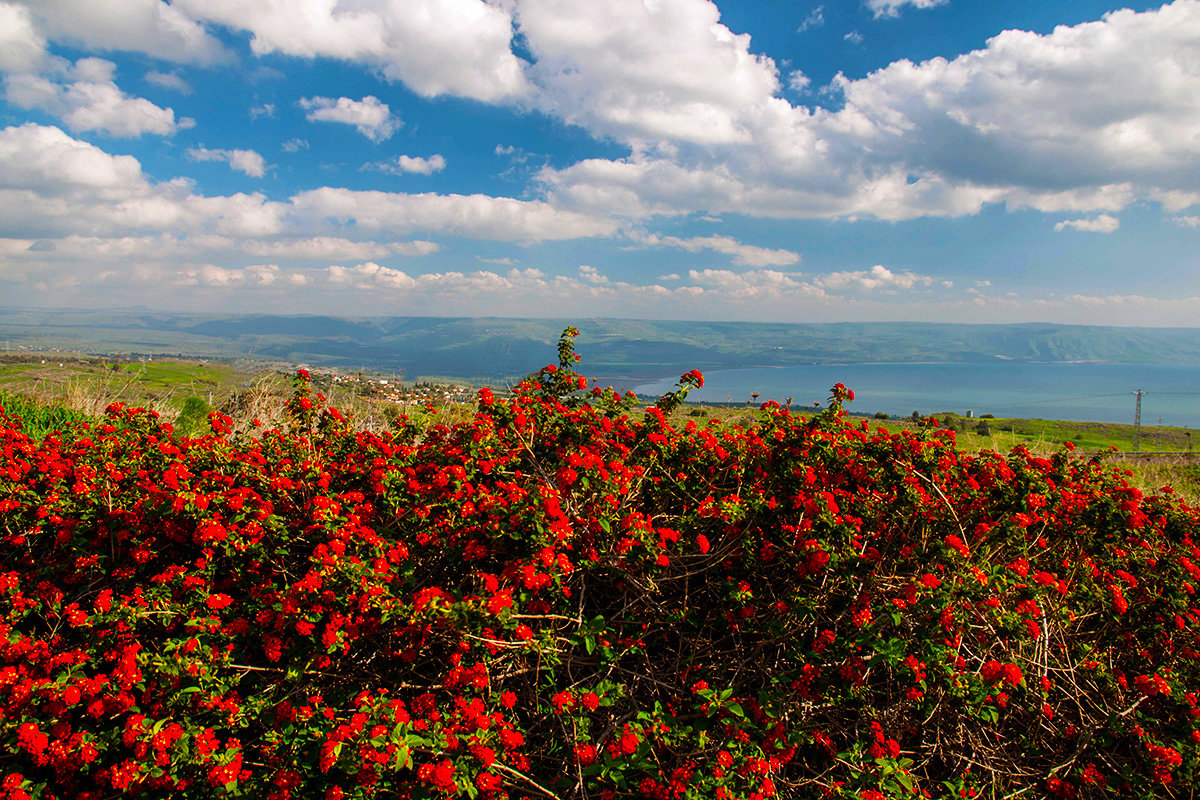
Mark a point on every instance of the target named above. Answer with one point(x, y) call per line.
point(758, 160)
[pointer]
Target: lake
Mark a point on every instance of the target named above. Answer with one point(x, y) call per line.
point(1092, 392)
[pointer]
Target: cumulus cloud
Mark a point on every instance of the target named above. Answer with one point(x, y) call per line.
point(211, 247)
point(488, 289)
point(52, 184)
point(753, 282)
point(474, 216)
point(1100, 103)
point(1187, 221)
point(22, 48)
point(743, 254)
point(401, 165)
point(629, 69)
point(328, 248)
point(1088, 118)
point(877, 277)
point(372, 118)
point(455, 47)
point(260, 275)
point(246, 161)
point(48, 161)
point(294, 145)
point(153, 27)
point(89, 100)
point(776, 284)
point(891, 8)
point(1105, 223)
point(371, 274)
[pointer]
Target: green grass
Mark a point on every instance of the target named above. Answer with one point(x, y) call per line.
point(7, 370)
point(173, 374)
point(1090, 436)
point(37, 419)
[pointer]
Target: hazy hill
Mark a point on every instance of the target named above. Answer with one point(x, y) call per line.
point(613, 348)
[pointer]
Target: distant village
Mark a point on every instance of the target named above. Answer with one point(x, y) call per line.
point(390, 387)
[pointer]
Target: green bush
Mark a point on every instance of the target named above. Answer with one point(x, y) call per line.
point(567, 597)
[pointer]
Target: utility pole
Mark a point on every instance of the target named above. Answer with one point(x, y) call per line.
point(1137, 421)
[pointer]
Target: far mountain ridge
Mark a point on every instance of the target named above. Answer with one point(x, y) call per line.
point(615, 348)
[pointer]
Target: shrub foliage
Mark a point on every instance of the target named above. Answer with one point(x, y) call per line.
point(568, 597)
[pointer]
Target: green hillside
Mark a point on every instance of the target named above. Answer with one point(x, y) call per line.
point(496, 348)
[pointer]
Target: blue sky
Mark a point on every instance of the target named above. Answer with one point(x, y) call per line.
point(934, 160)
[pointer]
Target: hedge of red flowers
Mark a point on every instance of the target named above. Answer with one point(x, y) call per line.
point(569, 597)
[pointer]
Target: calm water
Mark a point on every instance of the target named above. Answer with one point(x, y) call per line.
point(1096, 392)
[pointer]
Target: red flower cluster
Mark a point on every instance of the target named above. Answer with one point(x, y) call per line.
point(567, 594)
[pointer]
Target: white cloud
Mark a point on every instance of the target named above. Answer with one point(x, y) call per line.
point(456, 47)
point(211, 247)
point(475, 216)
point(1104, 223)
point(372, 118)
point(371, 274)
point(54, 185)
point(246, 161)
point(264, 110)
point(22, 48)
point(636, 70)
point(753, 283)
point(401, 165)
point(1101, 103)
point(512, 153)
point(743, 254)
point(891, 8)
point(153, 27)
point(1186, 221)
point(711, 293)
point(258, 275)
point(815, 19)
point(47, 160)
point(877, 277)
point(854, 37)
point(169, 80)
point(329, 248)
point(1087, 118)
point(798, 81)
point(12, 247)
point(91, 101)
point(294, 145)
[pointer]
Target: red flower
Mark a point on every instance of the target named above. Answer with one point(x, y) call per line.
point(585, 754)
point(218, 601)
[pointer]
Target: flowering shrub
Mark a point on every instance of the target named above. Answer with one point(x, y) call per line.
point(570, 598)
